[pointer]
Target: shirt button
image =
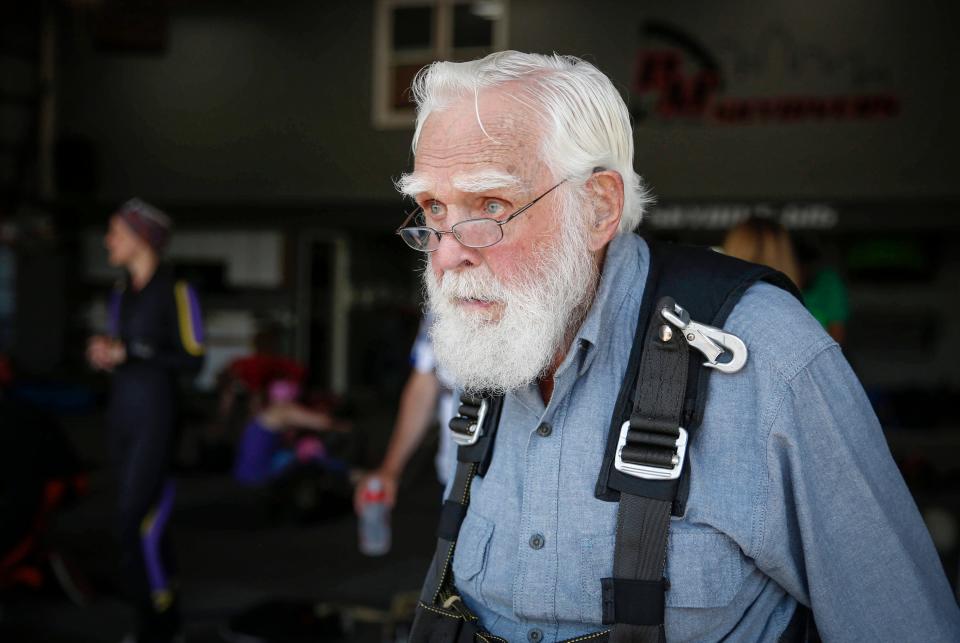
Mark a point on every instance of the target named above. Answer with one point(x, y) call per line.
point(544, 429)
point(535, 635)
point(536, 541)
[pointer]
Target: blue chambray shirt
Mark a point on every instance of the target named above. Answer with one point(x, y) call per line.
point(793, 497)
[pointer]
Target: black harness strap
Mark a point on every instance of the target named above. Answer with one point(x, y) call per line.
point(439, 571)
point(633, 600)
point(669, 392)
point(470, 460)
point(441, 616)
point(708, 284)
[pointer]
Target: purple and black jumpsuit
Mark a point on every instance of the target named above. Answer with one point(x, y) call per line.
point(162, 330)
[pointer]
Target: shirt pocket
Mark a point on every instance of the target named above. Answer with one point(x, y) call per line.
point(471, 553)
point(705, 569)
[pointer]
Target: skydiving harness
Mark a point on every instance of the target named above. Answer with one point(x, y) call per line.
point(659, 406)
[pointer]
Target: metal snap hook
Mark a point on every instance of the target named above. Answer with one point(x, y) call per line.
point(712, 342)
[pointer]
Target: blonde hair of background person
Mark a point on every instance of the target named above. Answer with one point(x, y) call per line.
point(763, 241)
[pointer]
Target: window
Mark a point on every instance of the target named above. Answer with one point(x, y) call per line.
point(409, 34)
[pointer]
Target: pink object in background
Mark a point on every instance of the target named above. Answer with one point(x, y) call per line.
point(283, 391)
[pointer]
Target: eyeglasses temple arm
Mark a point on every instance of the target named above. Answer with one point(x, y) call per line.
point(406, 221)
point(529, 205)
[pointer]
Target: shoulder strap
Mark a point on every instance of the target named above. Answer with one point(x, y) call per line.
point(665, 393)
point(708, 284)
point(474, 428)
point(652, 444)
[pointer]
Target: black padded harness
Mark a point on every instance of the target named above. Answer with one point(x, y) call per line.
point(663, 392)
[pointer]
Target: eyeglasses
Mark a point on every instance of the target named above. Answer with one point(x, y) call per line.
point(473, 233)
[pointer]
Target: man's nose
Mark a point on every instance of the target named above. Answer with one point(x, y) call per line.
point(451, 254)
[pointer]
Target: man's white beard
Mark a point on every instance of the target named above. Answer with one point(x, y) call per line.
point(541, 308)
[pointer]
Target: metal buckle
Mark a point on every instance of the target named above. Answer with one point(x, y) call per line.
point(646, 471)
point(473, 430)
point(712, 342)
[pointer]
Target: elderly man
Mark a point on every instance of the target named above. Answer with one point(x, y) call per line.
point(788, 496)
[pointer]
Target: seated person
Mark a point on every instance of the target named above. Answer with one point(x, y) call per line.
point(284, 434)
point(252, 374)
point(242, 394)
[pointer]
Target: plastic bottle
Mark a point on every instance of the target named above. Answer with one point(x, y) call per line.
point(374, 520)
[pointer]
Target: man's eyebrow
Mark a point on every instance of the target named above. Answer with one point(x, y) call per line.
point(412, 184)
point(485, 180)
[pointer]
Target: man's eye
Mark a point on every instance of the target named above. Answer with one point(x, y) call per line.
point(493, 208)
point(435, 209)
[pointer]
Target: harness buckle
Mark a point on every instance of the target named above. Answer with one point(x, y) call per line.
point(471, 429)
point(646, 471)
point(712, 342)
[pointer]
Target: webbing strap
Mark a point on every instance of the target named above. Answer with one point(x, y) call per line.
point(451, 517)
point(643, 521)
point(472, 460)
point(439, 571)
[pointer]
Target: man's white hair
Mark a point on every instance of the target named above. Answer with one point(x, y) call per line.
point(586, 121)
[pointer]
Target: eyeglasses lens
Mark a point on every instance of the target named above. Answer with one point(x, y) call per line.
point(478, 233)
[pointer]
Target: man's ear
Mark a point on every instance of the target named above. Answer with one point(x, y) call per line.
point(606, 194)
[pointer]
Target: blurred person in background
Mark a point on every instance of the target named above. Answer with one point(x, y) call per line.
point(765, 241)
point(285, 433)
point(155, 335)
point(249, 377)
point(824, 291)
point(242, 392)
point(427, 398)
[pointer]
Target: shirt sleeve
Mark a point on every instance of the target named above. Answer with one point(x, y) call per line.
point(422, 358)
point(113, 312)
point(841, 531)
point(185, 351)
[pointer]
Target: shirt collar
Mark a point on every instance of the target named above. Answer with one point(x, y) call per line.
point(624, 269)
